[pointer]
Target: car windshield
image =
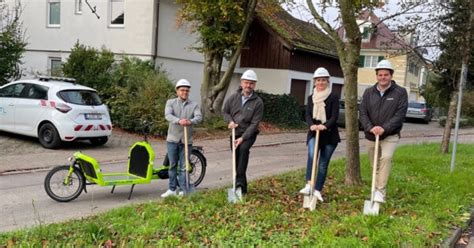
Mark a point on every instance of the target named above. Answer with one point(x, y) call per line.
point(80, 97)
point(417, 105)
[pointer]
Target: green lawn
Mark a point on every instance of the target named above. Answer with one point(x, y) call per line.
point(425, 201)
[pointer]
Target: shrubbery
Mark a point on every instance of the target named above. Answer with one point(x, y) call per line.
point(468, 104)
point(282, 110)
point(132, 88)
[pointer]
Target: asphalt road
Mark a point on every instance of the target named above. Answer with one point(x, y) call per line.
point(24, 165)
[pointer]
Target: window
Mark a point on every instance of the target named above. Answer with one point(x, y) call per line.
point(117, 12)
point(413, 68)
point(13, 90)
point(55, 66)
point(37, 92)
point(78, 7)
point(54, 13)
point(80, 97)
point(369, 61)
point(366, 34)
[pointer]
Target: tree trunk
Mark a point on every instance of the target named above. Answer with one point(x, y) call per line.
point(214, 88)
point(449, 122)
point(211, 77)
point(349, 57)
point(353, 176)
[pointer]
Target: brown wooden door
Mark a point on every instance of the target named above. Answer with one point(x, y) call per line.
point(337, 89)
point(298, 90)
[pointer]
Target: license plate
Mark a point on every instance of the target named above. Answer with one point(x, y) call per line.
point(93, 116)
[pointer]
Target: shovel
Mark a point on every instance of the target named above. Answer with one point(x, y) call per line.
point(234, 195)
point(309, 201)
point(371, 207)
point(188, 188)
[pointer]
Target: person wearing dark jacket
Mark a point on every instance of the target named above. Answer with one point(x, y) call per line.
point(382, 112)
point(321, 114)
point(243, 111)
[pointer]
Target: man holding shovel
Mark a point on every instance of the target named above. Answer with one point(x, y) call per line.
point(243, 111)
point(382, 112)
point(181, 113)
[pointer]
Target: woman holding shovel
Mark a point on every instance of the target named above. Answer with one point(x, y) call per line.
point(321, 114)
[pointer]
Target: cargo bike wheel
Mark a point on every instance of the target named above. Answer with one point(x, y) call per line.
point(62, 185)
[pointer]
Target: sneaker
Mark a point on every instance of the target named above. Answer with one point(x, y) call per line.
point(305, 190)
point(318, 195)
point(168, 193)
point(379, 197)
point(181, 194)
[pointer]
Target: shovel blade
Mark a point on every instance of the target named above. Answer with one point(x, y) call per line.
point(234, 195)
point(371, 208)
point(309, 202)
point(189, 190)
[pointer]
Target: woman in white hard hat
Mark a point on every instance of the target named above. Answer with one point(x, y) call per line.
point(321, 114)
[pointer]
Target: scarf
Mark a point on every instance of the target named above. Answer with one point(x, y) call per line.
point(319, 111)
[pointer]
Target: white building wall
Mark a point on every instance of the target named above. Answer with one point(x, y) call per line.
point(173, 41)
point(175, 53)
point(134, 38)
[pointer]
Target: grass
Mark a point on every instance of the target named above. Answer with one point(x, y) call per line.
point(425, 201)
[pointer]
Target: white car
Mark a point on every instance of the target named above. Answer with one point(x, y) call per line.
point(55, 110)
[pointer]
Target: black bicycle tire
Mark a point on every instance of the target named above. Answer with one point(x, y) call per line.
point(49, 191)
point(203, 161)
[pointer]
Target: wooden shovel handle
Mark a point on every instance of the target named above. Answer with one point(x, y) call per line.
point(374, 168)
point(314, 164)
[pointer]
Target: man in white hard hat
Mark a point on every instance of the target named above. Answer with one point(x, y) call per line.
point(243, 111)
point(180, 112)
point(382, 112)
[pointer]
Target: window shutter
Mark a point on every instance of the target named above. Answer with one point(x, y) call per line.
point(361, 61)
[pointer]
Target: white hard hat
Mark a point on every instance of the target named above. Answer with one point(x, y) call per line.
point(321, 72)
point(183, 83)
point(384, 64)
point(249, 75)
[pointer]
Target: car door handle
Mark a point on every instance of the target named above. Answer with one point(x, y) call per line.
point(11, 104)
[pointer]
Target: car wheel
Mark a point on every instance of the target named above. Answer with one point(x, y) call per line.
point(99, 141)
point(48, 136)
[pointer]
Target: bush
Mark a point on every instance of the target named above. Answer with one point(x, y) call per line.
point(282, 110)
point(468, 104)
point(141, 94)
point(92, 68)
point(463, 122)
point(214, 123)
point(132, 88)
point(12, 41)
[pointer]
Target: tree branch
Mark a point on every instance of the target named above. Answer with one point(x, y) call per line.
point(326, 27)
point(225, 80)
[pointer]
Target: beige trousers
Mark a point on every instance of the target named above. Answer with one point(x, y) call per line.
point(387, 148)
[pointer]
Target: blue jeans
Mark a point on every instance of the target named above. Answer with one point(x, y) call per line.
point(325, 153)
point(176, 158)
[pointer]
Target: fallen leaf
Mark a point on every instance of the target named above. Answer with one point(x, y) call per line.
point(108, 244)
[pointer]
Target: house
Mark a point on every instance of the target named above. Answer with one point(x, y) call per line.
point(379, 42)
point(284, 58)
point(285, 51)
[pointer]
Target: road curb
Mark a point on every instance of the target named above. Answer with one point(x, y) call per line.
point(456, 233)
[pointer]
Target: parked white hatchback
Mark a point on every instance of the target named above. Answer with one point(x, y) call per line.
point(54, 110)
